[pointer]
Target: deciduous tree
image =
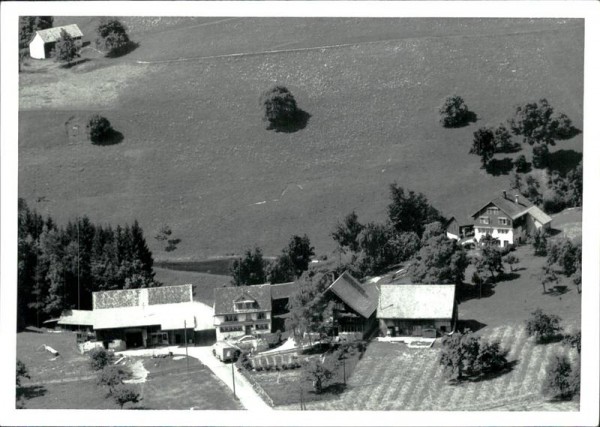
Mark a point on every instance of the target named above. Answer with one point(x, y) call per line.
point(66, 49)
point(556, 384)
point(123, 394)
point(410, 211)
point(279, 107)
point(112, 36)
point(440, 260)
point(454, 112)
point(544, 327)
point(249, 269)
point(483, 145)
point(347, 231)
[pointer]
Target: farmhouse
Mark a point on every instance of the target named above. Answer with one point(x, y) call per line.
point(509, 218)
point(242, 310)
point(42, 44)
point(144, 317)
point(459, 229)
point(355, 307)
point(417, 310)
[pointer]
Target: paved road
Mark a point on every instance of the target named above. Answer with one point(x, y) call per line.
point(243, 389)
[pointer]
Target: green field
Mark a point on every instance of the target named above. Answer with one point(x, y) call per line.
point(196, 154)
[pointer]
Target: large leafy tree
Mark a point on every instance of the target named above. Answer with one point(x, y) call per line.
point(539, 124)
point(279, 107)
point(454, 112)
point(410, 211)
point(112, 35)
point(440, 260)
point(347, 231)
point(66, 50)
point(490, 262)
point(250, 269)
point(544, 327)
point(483, 144)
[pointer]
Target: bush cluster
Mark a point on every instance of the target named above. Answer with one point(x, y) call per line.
point(544, 327)
point(98, 128)
point(454, 112)
point(100, 358)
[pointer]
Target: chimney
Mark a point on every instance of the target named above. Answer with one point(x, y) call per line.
point(517, 199)
point(504, 193)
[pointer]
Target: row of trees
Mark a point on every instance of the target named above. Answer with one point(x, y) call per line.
point(253, 269)
point(60, 267)
point(28, 25)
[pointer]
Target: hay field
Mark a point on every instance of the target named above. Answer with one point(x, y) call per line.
point(196, 154)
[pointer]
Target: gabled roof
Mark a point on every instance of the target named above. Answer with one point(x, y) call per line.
point(539, 215)
point(416, 301)
point(141, 297)
point(461, 222)
point(225, 297)
point(508, 204)
point(361, 298)
point(53, 34)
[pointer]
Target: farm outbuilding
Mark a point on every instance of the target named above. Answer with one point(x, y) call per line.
point(417, 310)
point(42, 44)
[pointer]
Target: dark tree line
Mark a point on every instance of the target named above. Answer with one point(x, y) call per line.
point(60, 267)
point(28, 25)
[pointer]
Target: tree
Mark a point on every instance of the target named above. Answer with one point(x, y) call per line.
point(490, 261)
point(503, 141)
point(459, 353)
point(540, 243)
point(250, 269)
point(112, 376)
point(454, 112)
point(433, 229)
point(377, 252)
point(440, 260)
point(522, 165)
point(282, 270)
point(490, 358)
point(100, 358)
point(98, 128)
point(511, 260)
point(300, 252)
point(279, 105)
point(541, 156)
point(125, 393)
point(66, 49)
point(28, 25)
point(574, 341)
point(544, 327)
point(318, 373)
point(112, 36)
point(411, 211)
point(577, 277)
point(556, 383)
point(347, 231)
point(22, 372)
point(538, 124)
point(549, 277)
point(483, 145)
point(564, 253)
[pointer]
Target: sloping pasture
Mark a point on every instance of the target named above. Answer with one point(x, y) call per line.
point(196, 154)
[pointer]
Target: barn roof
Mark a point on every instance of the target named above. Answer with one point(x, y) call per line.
point(283, 290)
point(361, 298)
point(225, 297)
point(539, 215)
point(416, 302)
point(76, 317)
point(53, 34)
point(169, 316)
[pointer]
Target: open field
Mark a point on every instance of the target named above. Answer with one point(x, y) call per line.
point(69, 382)
point(394, 377)
point(196, 154)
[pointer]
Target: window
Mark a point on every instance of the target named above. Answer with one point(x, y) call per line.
point(246, 305)
point(502, 221)
point(492, 210)
point(261, 327)
point(484, 220)
point(231, 328)
point(261, 316)
point(231, 318)
point(501, 231)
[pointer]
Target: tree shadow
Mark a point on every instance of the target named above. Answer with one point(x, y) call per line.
point(509, 148)
point(128, 48)
point(558, 290)
point(567, 133)
point(293, 124)
point(470, 324)
point(172, 244)
point(499, 167)
point(556, 338)
point(332, 389)
point(29, 392)
point(72, 64)
point(506, 277)
point(553, 232)
point(510, 366)
point(563, 161)
point(113, 137)
point(466, 119)
point(469, 292)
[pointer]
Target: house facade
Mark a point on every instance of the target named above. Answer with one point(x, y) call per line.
point(459, 230)
point(510, 218)
point(44, 41)
point(242, 310)
point(417, 310)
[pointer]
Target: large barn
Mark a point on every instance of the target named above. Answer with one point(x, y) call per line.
point(44, 41)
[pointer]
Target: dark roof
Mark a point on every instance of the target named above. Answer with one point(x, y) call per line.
point(462, 222)
point(361, 298)
point(283, 290)
point(508, 204)
point(224, 297)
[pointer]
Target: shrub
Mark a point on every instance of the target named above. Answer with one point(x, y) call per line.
point(112, 35)
point(280, 108)
point(65, 49)
point(22, 372)
point(539, 241)
point(454, 112)
point(125, 393)
point(99, 358)
point(573, 340)
point(522, 165)
point(511, 260)
point(541, 156)
point(98, 128)
point(490, 358)
point(556, 385)
point(544, 327)
point(111, 376)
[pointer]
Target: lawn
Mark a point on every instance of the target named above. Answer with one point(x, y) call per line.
point(196, 154)
point(394, 377)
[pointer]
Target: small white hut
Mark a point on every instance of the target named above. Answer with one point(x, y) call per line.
point(44, 41)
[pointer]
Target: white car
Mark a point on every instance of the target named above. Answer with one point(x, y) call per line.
point(250, 342)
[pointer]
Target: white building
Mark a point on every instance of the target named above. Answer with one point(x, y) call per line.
point(44, 41)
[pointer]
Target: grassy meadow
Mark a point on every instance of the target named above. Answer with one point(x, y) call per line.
point(196, 154)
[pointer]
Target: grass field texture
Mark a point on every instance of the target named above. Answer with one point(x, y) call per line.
point(196, 154)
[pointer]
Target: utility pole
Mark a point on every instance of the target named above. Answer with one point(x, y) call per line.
point(187, 359)
point(233, 378)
